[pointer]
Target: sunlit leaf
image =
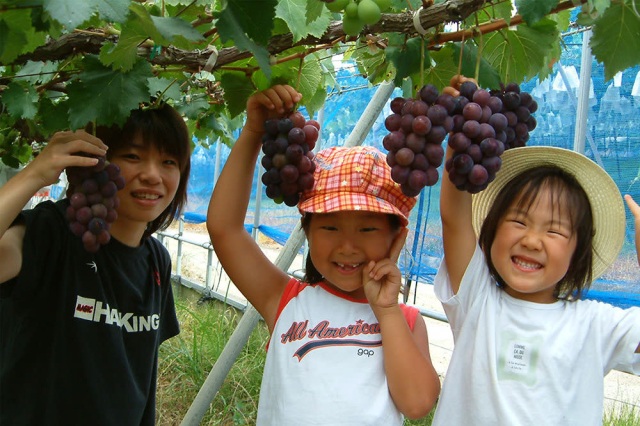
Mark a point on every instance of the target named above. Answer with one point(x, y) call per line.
point(304, 18)
point(616, 39)
point(519, 54)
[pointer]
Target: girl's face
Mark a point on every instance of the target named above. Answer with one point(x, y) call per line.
point(532, 249)
point(151, 177)
point(342, 243)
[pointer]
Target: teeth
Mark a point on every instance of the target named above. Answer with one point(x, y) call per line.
point(147, 196)
point(345, 265)
point(527, 265)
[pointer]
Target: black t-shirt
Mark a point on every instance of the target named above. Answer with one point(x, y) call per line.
point(80, 331)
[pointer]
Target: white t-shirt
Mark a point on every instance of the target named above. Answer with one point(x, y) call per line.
point(521, 363)
point(325, 362)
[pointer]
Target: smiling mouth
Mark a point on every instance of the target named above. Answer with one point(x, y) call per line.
point(146, 196)
point(349, 266)
point(526, 265)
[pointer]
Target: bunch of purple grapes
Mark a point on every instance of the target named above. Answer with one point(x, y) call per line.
point(485, 124)
point(518, 107)
point(288, 158)
point(417, 128)
point(93, 202)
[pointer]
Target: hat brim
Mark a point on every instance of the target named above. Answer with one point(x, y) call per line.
point(605, 198)
point(338, 202)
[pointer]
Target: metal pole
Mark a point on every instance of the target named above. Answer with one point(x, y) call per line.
point(583, 96)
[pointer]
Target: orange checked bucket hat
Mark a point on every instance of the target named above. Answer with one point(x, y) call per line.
point(354, 179)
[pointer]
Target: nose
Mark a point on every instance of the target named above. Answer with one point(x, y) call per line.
point(151, 173)
point(347, 245)
point(531, 240)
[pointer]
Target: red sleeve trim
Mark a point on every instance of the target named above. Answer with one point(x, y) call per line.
point(410, 314)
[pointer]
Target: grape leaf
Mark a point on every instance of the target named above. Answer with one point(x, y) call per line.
point(71, 13)
point(615, 41)
point(310, 77)
point(17, 35)
point(114, 10)
point(167, 87)
point(440, 74)
point(20, 99)
point(104, 95)
point(533, 11)
point(237, 89)
point(193, 106)
point(177, 32)
point(519, 54)
point(252, 17)
point(54, 117)
point(487, 76)
point(37, 72)
point(230, 29)
point(304, 18)
point(405, 58)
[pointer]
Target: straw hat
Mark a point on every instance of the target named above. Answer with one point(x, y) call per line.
point(605, 198)
point(355, 179)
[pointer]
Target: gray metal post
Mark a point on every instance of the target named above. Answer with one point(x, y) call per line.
point(583, 96)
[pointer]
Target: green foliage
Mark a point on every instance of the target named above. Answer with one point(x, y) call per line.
point(64, 63)
point(616, 41)
point(103, 95)
point(533, 11)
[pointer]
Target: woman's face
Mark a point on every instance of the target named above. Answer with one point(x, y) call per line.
point(152, 179)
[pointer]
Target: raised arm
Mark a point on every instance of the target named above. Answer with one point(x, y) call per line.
point(458, 238)
point(60, 153)
point(249, 269)
point(635, 210)
point(413, 382)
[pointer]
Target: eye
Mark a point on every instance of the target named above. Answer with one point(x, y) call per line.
point(130, 155)
point(368, 229)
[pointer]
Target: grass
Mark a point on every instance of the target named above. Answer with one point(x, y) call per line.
point(186, 360)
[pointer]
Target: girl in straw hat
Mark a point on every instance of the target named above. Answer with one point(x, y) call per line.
point(342, 350)
point(517, 257)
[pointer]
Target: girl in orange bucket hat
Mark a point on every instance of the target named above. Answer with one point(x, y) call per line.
point(342, 349)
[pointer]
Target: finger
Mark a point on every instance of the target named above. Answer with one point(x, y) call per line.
point(288, 95)
point(382, 268)
point(451, 91)
point(78, 135)
point(398, 243)
point(366, 271)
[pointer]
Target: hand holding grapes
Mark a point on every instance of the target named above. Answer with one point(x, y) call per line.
point(63, 151)
point(274, 102)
